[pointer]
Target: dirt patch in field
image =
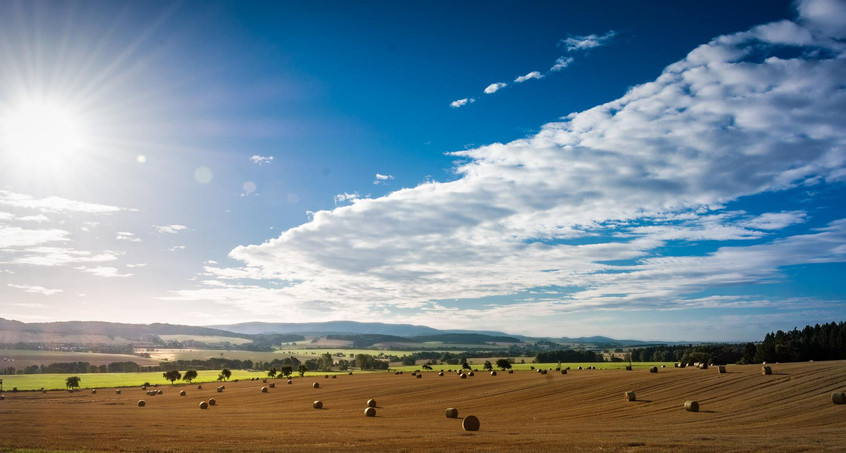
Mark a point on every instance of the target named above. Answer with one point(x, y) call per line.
point(585, 410)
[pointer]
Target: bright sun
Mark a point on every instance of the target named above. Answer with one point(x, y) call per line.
point(41, 130)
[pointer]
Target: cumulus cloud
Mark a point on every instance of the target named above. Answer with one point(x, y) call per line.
point(170, 229)
point(461, 102)
point(261, 160)
point(346, 197)
point(529, 76)
point(581, 43)
point(561, 63)
point(574, 217)
point(35, 289)
point(494, 87)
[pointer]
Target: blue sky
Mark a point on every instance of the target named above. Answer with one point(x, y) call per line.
point(655, 170)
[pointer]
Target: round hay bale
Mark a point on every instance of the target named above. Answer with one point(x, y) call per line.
point(543, 371)
point(117, 392)
point(703, 366)
point(462, 376)
point(199, 387)
point(144, 387)
point(317, 404)
point(766, 370)
point(212, 402)
point(273, 385)
point(471, 374)
point(628, 367)
point(691, 406)
point(220, 390)
point(653, 369)
point(370, 412)
point(316, 385)
point(326, 377)
point(94, 391)
point(630, 396)
point(579, 368)
point(182, 393)
point(539, 371)
point(440, 373)
point(451, 412)
point(159, 392)
point(2, 397)
point(419, 376)
point(722, 369)
point(371, 403)
point(562, 371)
point(290, 381)
point(493, 372)
point(512, 371)
point(334, 376)
point(264, 381)
point(470, 423)
point(204, 405)
point(264, 390)
point(141, 403)
point(838, 398)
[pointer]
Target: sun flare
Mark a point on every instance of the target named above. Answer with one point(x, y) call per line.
point(41, 130)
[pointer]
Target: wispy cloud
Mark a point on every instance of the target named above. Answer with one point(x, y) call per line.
point(461, 102)
point(56, 256)
point(561, 63)
point(494, 87)
point(127, 236)
point(342, 198)
point(11, 236)
point(261, 160)
point(529, 76)
point(170, 229)
point(582, 43)
point(103, 271)
point(55, 204)
point(382, 179)
point(35, 289)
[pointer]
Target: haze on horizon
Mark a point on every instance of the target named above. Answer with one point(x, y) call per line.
point(659, 172)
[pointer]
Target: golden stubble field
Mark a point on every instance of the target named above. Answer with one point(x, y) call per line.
point(585, 410)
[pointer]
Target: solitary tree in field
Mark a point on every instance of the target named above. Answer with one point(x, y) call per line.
point(503, 364)
point(287, 370)
point(190, 375)
point(72, 382)
point(488, 365)
point(426, 366)
point(172, 375)
point(302, 370)
point(226, 374)
point(272, 372)
point(466, 366)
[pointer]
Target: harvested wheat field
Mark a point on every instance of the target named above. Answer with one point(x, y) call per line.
point(584, 410)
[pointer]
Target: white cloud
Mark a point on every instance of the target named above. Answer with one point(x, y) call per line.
point(261, 160)
point(55, 256)
point(461, 102)
point(11, 236)
point(561, 63)
point(35, 289)
point(494, 87)
point(824, 16)
point(656, 165)
point(177, 247)
point(346, 197)
point(104, 271)
point(580, 43)
point(382, 179)
point(127, 236)
point(170, 229)
point(529, 76)
point(40, 218)
point(55, 204)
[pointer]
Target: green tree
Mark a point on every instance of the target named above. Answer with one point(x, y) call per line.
point(172, 375)
point(72, 382)
point(226, 374)
point(190, 375)
point(287, 370)
point(272, 372)
point(326, 362)
point(503, 364)
point(302, 370)
point(487, 365)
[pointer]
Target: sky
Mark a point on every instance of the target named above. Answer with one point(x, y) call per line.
point(655, 170)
